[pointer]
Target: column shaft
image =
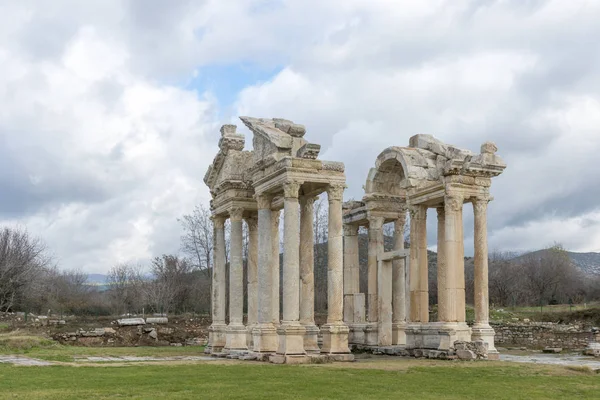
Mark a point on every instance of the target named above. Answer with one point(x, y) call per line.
point(291, 255)
point(351, 271)
point(236, 270)
point(219, 299)
point(455, 264)
point(481, 263)
point(275, 266)
point(335, 267)
point(375, 247)
point(307, 262)
point(265, 267)
point(399, 274)
point(252, 275)
point(441, 265)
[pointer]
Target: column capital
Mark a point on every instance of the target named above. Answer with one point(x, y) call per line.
point(375, 223)
point(307, 200)
point(350, 230)
point(291, 189)
point(418, 212)
point(218, 221)
point(335, 192)
point(441, 211)
point(252, 221)
point(453, 202)
point(236, 214)
point(264, 201)
point(480, 204)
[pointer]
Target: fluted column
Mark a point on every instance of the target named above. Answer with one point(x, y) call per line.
point(275, 217)
point(335, 332)
point(419, 281)
point(375, 247)
point(455, 264)
point(399, 285)
point(482, 329)
point(307, 278)
point(236, 331)
point(217, 336)
point(265, 334)
point(441, 265)
point(291, 332)
point(252, 275)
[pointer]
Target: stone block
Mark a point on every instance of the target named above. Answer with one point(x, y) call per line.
point(554, 350)
point(466, 355)
point(131, 321)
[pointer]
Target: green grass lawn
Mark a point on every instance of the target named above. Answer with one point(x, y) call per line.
point(211, 380)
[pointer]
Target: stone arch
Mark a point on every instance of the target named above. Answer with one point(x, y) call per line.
point(393, 168)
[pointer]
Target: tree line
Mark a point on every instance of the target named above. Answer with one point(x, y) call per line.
point(31, 281)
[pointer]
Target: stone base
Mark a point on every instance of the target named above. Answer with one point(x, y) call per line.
point(371, 334)
point(265, 338)
point(357, 333)
point(436, 335)
point(216, 338)
point(335, 339)
point(236, 339)
point(249, 337)
point(399, 334)
point(311, 339)
point(289, 359)
point(485, 333)
point(291, 339)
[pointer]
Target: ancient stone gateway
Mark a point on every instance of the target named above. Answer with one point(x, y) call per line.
point(427, 174)
point(282, 172)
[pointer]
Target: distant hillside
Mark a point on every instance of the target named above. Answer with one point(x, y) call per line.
point(588, 263)
point(97, 279)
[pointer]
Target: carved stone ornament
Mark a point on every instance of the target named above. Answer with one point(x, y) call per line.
point(236, 213)
point(480, 205)
point(264, 201)
point(376, 223)
point(252, 222)
point(291, 189)
point(350, 230)
point(453, 202)
point(335, 192)
point(218, 221)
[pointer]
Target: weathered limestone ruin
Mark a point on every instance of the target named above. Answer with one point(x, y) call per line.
point(427, 174)
point(282, 172)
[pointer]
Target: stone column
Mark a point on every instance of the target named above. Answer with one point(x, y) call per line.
point(252, 276)
point(335, 332)
point(275, 217)
point(375, 248)
point(399, 285)
point(385, 284)
point(441, 265)
point(236, 331)
point(291, 332)
point(265, 334)
point(217, 335)
point(481, 328)
point(419, 281)
point(307, 277)
point(455, 264)
point(354, 301)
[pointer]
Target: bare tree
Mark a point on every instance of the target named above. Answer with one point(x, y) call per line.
point(22, 259)
point(171, 286)
point(197, 238)
point(125, 288)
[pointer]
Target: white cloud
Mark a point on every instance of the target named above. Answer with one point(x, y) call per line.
point(102, 146)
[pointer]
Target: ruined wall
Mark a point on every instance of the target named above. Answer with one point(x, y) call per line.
point(543, 334)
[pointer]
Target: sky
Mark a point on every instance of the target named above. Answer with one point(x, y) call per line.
point(110, 109)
